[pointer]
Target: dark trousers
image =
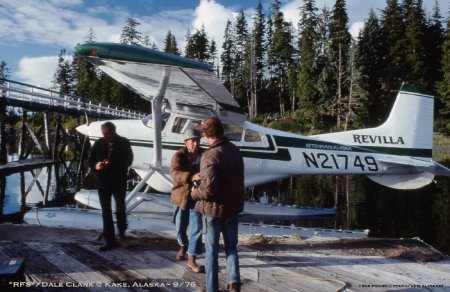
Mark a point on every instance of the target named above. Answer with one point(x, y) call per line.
point(108, 223)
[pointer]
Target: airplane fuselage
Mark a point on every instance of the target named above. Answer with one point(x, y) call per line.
point(268, 154)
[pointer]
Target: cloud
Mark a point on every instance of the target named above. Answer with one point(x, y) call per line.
point(291, 12)
point(214, 16)
point(156, 26)
point(38, 71)
point(61, 23)
point(355, 28)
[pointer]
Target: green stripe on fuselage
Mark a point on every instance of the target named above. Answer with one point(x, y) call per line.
point(247, 151)
point(322, 145)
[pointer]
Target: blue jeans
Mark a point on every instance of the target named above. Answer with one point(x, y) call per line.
point(229, 228)
point(192, 219)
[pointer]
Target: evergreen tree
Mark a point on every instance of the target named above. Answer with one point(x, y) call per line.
point(434, 39)
point(213, 52)
point(257, 54)
point(84, 74)
point(357, 112)
point(308, 75)
point(170, 44)
point(370, 59)
point(85, 80)
point(91, 37)
point(130, 35)
point(324, 68)
point(340, 41)
point(62, 79)
point(242, 62)
point(227, 57)
point(280, 55)
point(393, 30)
point(393, 52)
point(197, 46)
point(415, 68)
point(4, 70)
point(444, 85)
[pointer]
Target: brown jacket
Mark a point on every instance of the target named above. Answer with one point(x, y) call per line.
point(221, 190)
point(181, 170)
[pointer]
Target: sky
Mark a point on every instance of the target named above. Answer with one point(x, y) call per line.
point(33, 32)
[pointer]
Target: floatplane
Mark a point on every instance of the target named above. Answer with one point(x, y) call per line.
point(182, 92)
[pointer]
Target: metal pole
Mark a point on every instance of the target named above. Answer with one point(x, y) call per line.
point(3, 158)
point(57, 138)
point(157, 128)
point(23, 135)
point(138, 187)
point(47, 134)
point(157, 118)
point(2, 194)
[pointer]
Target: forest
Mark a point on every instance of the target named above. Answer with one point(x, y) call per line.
point(307, 77)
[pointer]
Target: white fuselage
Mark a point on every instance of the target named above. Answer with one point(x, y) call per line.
point(268, 154)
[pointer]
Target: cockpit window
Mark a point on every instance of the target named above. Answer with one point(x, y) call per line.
point(252, 136)
point(178, 125)
point(233, 133)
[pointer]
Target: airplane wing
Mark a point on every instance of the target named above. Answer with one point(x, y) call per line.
point(193, 87)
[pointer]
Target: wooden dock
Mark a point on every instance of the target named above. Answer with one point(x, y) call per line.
point(25, 165)
point(69, 258)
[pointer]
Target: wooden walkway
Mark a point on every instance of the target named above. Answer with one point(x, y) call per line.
point(24, 165)
point(149, 264)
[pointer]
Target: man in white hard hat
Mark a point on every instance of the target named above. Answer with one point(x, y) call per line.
point(184, 169)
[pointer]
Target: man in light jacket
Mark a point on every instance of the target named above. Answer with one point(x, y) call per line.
point(184, 169)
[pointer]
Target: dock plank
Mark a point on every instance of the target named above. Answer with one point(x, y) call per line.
point(78, 271)
point(150, 265)
point(37, 267)
point(275, 277)
point(25, 165)
point(110, 269)
point(3, 255)
point(359, 272)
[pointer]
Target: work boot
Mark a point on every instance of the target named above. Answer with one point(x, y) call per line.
point(193, 265)
point(108, 246)
point(181, 255)
point(236, 287)
point(123, 241)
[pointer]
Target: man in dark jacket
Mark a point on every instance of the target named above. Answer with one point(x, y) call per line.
point(110, 158)
point(220, 197)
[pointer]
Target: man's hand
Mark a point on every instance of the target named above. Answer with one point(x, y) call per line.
point(102, 165)
point(195, 177)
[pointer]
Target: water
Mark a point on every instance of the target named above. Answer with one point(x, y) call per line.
point(40, 186)
point(360, 203)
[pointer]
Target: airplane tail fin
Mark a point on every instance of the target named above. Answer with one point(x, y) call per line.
point(408, 131)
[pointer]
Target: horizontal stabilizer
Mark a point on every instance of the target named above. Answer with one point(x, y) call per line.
point(439, 169)
point(410, 174)
point(403, 181)
point(417, 166)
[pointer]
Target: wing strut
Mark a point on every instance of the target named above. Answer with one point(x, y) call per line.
point(156, 103)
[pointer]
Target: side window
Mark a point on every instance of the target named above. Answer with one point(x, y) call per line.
point(252, 136)
point(233, 133)
point(196, 124)
point(178, 125)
